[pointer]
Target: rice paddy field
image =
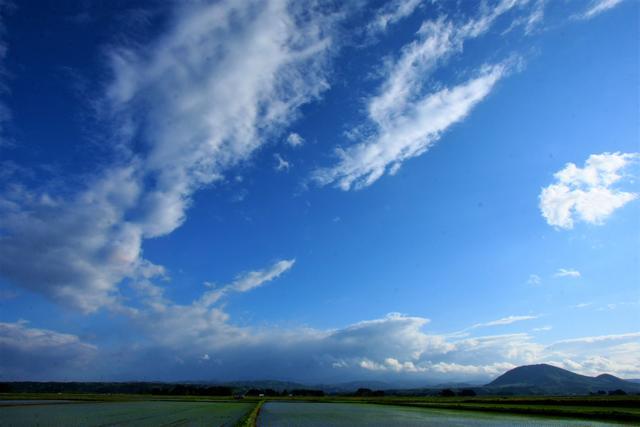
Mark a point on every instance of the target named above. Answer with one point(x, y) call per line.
point(138, 410)
point(154, 413)
point(294, 414)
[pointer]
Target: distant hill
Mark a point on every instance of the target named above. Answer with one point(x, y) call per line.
point(352, 386)
point(547, 379)
point(276, 385)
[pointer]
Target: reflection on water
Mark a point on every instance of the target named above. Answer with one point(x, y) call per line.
point(353, 414)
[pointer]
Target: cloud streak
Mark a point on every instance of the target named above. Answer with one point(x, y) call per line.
point(596, 7)
point(564, 272)
point(248, 281)
point(404, 119)
point(503, 321)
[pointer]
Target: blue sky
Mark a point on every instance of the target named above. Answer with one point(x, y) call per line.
point(411, 191)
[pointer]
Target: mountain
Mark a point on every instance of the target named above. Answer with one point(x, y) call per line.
point(547, 379)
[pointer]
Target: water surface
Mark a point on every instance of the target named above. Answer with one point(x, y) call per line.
point(304, 414)
point(157, 413)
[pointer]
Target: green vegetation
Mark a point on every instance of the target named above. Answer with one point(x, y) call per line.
point(151, 413)
point(251, 419)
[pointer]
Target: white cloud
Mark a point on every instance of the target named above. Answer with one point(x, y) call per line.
point(179, 338)
point(567, 272)
point(30, 353)
point(295, 140)
point(598, 339)
point(405, 120)
point(281, 163)
point(248, 281)
point(534, 280)
point(392, 12)
point(596, 7)
point(409, 135)
point(583, 305)
point(586, 193)
point(202, 98)
point(504, 321)
point(542, 329)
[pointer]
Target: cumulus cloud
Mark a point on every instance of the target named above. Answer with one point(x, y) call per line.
point(201, 98)
point(405, 118)
point(587, 193)
point(74, 250)
point(567, 272)
point(295, 140)
point(179, 338)
point(616, 353)
point(29, 353)
point(596, 7)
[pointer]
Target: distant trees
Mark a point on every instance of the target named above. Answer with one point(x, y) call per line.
point(467, 392)
point(367, 392)
point(307, 392)
point(617, 392)
point(124, 388)
point(446, 392)
point(273, 393)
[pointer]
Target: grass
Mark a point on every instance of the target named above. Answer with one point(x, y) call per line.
point(251, 418)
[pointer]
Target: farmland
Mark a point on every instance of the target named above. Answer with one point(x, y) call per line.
point(150, 413)
point(95, 409)
point(352, 414)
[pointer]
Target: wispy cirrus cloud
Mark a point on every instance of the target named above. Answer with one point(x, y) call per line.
point(409, 134)
point(503, 321)
point(392, 12)
point(596, 7)
point(586, 194)
point(404, 118)
point(248, 281)
point(567, 272)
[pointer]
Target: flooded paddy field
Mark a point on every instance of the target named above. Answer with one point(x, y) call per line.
point(153, 413)
point(304, 414)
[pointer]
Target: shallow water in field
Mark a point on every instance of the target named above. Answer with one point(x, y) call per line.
point(30, 402)
point(157, 413)
point(290, 414)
